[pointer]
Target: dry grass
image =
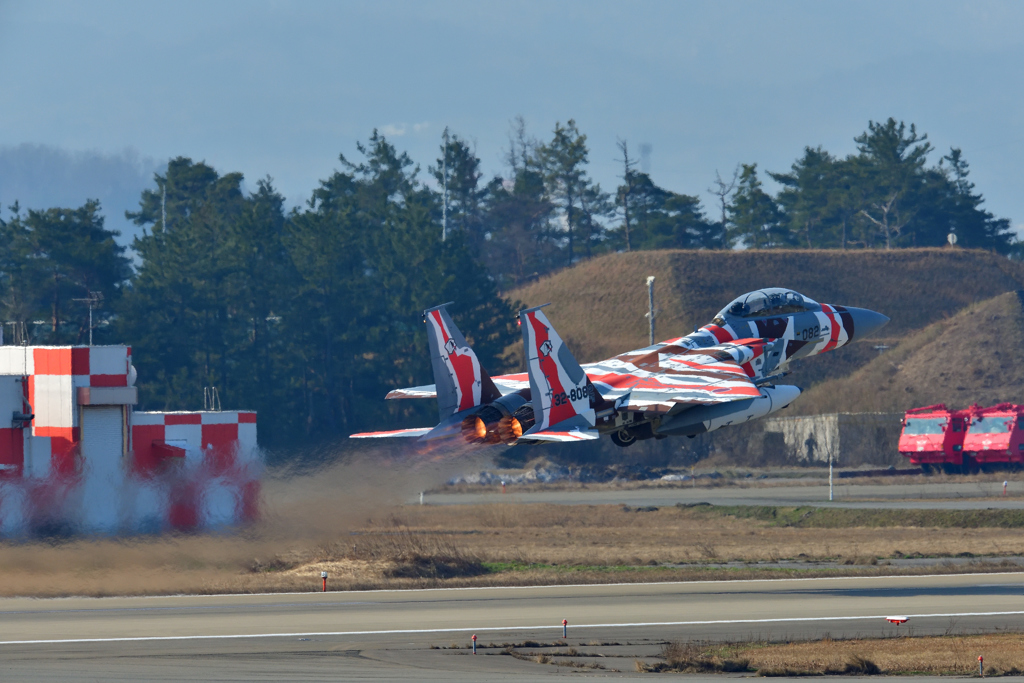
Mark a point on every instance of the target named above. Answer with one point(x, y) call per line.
point(599, 305)
point(305, 516)
point(945, 655)
point(607, 535)
point(975, 356)
point(985, 484)
point(367, 542)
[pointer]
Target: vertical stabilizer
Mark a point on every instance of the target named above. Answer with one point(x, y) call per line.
point(560, 390)
point(460, 381)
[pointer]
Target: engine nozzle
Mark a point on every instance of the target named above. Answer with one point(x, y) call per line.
point(509, 430)
point(473, 429)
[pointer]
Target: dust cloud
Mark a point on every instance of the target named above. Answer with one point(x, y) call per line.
point(302, 508)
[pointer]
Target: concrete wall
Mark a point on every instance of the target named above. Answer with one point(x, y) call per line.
point(850, 439)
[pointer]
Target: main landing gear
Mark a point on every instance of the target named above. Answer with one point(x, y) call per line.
point(627, 436)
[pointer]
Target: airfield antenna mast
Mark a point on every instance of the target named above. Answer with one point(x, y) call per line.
point(92, 301)
point(444, 180)
point(650, 309)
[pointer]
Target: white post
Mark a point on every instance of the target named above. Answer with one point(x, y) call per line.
point(650, 309)
point(421, 497)
point(830, 476)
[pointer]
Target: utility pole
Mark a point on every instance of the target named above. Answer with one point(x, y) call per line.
point(444, 179)
point(650, 309)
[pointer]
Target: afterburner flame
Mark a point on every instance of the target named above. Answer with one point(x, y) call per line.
point(509, 430)
point(474, 429)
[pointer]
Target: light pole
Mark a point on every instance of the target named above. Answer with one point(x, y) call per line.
point(650, 309)
point(444, 181)
point(830, 474)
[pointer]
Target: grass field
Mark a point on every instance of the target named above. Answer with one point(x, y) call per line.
point(347, 521)
point(951, 655)
point(976, 356)
point(598, 305)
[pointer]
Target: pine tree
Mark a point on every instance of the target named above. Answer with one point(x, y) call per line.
point(55, 262)
point(754, 218)
point(569, 187)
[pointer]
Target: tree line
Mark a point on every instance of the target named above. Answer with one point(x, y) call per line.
point(310, 315)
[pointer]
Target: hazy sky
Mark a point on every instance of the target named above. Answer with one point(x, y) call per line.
point(281, 88)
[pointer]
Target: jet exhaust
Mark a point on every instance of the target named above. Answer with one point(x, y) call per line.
point(502, 421)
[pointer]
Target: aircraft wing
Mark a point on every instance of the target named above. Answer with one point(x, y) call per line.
point(562, 437)
point(672, 378)
point(391, 434)
point(425, 391)
point(506, 384)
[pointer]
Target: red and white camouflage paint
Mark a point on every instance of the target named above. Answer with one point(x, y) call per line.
point(723, 373)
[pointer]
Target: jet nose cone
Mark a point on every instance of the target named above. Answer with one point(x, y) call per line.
point(866, 322)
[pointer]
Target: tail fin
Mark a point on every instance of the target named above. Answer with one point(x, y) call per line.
point(459, 380)
point(561, 391)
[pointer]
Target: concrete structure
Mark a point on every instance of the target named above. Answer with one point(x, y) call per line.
point(76, 457)
point(849, 439)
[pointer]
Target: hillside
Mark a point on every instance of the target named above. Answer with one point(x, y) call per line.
point(975, 356)
point(598, 306)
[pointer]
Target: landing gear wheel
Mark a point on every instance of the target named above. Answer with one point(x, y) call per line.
point(926, 468)
point(623, 438)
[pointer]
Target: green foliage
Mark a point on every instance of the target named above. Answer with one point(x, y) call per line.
point(755, 219)
point(309, 317)
point(52, 263)
point(458, 168)
point(662, 219)
point(581, 201)
point(883, 196)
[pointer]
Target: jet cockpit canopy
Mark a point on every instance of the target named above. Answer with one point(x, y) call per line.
point(768, 302)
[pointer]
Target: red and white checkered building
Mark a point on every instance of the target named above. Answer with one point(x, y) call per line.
point(73, 450)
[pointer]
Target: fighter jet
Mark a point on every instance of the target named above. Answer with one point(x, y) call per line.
point(724, 373)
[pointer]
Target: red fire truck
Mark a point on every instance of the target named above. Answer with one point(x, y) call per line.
point(933, 437)
point(995, 437)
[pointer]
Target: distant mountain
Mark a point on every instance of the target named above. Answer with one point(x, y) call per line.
point(42, 177)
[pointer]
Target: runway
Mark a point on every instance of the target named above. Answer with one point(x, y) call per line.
point(388, 635)
point(932, 496)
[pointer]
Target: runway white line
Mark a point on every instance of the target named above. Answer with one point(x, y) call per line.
point(557, 627)
point(563, 586)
